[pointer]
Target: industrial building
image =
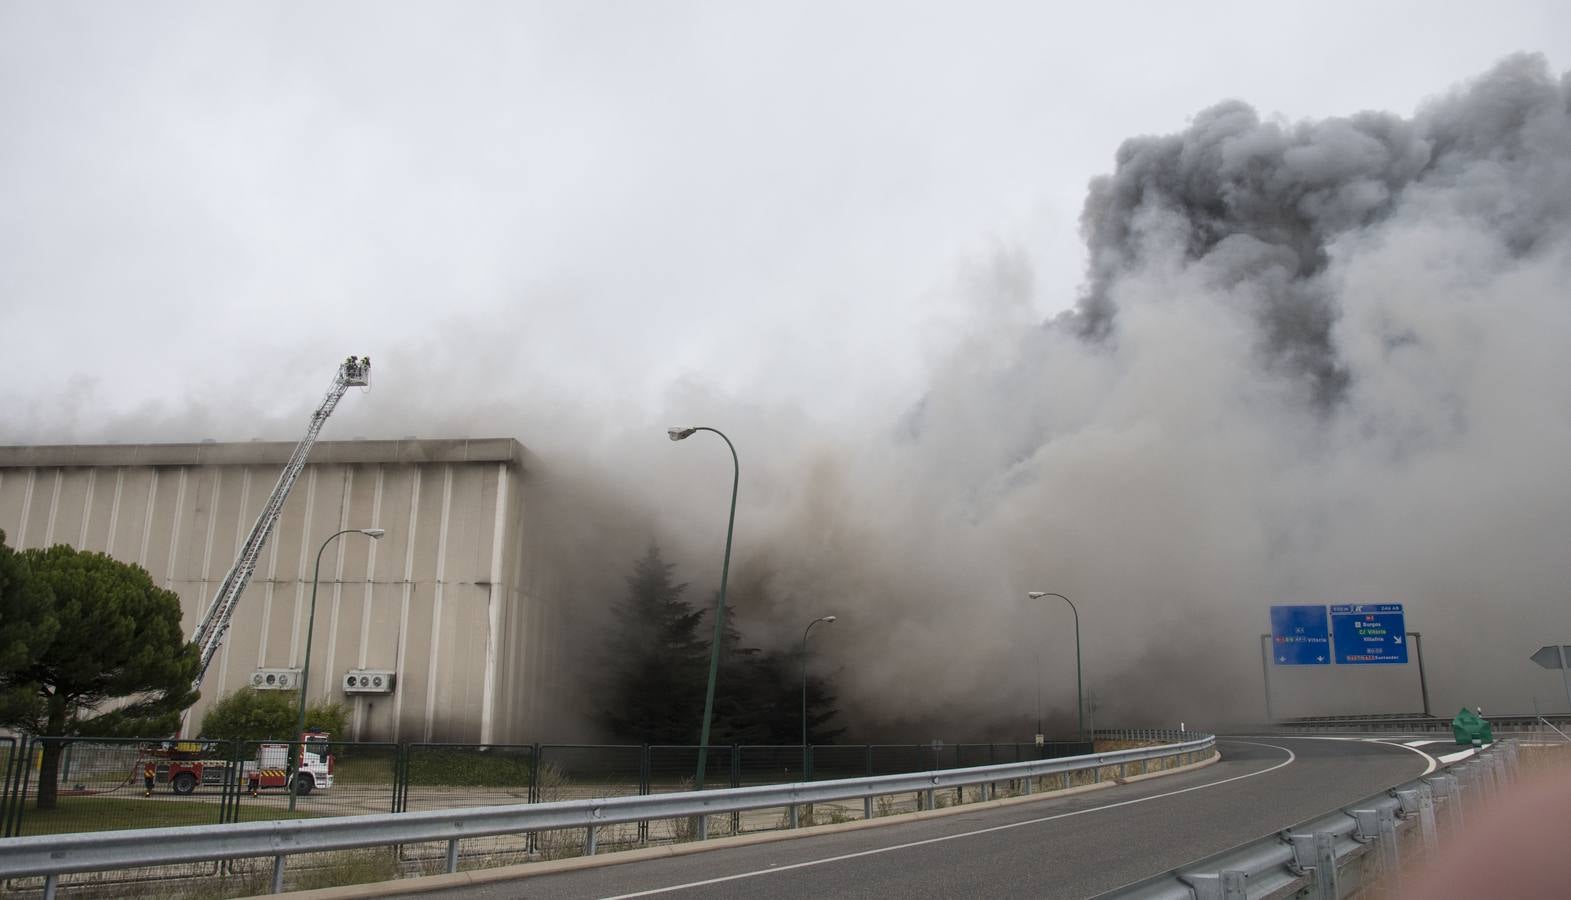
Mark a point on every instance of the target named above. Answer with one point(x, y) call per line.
point(443, 616)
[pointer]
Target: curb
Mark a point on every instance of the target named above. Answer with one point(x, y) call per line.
point(476, 877)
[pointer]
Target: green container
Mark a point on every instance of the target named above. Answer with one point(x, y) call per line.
point(1471, 729)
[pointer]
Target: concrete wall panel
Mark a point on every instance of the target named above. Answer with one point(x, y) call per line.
point(439, 599)
point(13, 489)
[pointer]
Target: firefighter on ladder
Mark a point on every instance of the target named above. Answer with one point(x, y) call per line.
point(149, 773)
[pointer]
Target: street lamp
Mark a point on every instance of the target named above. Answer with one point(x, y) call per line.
point(1080, 706)
point(826, 620)
point(298, 756)
point(678, 434)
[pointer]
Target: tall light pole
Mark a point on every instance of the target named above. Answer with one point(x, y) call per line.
point(298, 756)
point(1080, 705)
point(826, 620)
point(1037, 652)
point(678, 434)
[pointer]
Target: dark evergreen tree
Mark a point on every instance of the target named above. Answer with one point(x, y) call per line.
point(104, 633)
point(27, 616)
point(821, 712)
point(657, 665)
point(657, 662)
point(759, 696)
point(742, 714)
point(778, 687)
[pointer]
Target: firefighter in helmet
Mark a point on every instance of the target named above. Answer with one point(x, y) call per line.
point(149, 773)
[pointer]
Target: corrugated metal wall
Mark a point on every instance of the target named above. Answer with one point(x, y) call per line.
point(443, 598)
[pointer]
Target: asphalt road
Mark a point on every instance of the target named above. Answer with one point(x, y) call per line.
point(1074, 846)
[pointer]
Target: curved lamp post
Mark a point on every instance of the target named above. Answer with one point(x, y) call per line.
point(1080, 706)
point(678, 434)
point(826, 620)
point(298, 756)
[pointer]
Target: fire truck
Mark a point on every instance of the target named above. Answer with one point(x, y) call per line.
point(187, 765)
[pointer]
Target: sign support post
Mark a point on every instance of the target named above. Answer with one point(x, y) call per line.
point(1265, 669)
point(1564, 679)
point(1423, 686)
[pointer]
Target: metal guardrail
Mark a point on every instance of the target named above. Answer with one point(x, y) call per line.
point(54, 855)
point(1142, 734)
point(1406, 723)
point(1339, 853)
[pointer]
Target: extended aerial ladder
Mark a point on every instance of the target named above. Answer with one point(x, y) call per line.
point(209, 635)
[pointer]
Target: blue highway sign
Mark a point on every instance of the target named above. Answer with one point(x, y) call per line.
point(1369, 633)
point(1299, 636)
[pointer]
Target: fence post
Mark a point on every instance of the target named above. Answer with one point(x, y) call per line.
point(643, 790)
point(1391, 849)
point(1325, 865)
point(400, 772)
point(7, 787)
point(537, 756)
point(1459, 785)
point(1426, 818)
point(1449, 792)
point(228, 804)
point(20, 802)
point(278, 874)
point(13, 777)
point(867, 802)
point(1316, 852)
point(736, 781)
point(537, 752)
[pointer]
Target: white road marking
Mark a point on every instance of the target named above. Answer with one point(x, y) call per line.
point(1433, 763)
point(950, 837)
point(1450, 758)
point(1389, 742)
point(1422, 743)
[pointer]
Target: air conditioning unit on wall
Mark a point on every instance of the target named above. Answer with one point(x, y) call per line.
point(276, 679)
point(369, 681)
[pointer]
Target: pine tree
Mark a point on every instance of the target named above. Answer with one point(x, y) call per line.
point(102, 632)
point(758, 700)
point(743, 715)
point(657, 661)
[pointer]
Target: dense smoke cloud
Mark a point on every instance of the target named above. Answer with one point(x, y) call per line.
point(1313, 362)
point(1264, 204)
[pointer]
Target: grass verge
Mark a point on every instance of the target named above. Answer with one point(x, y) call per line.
point(113, 814)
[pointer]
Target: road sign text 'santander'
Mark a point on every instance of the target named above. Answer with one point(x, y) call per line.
point(1369, 633)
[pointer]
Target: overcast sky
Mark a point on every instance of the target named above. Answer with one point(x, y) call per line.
point(211, 203)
